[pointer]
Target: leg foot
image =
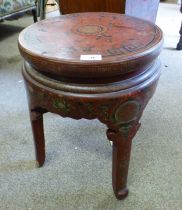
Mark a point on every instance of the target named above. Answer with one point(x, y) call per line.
point(121, 194)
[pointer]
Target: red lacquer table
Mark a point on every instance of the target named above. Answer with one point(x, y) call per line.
point(92, 65)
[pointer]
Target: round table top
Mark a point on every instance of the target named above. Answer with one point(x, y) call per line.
point(95, 44)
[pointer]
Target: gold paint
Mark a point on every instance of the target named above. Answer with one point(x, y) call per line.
point(91, 29)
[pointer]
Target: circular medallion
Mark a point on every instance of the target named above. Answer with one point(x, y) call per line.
point(127, 112)
point(90, 29)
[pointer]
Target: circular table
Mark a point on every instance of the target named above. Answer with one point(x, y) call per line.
point(96, 66)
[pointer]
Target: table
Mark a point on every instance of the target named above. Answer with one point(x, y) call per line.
point(95, 65)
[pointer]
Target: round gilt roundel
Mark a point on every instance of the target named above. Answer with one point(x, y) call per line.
point(127, 111)
point(90, 29)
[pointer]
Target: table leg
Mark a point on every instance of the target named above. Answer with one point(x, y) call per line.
point(120, 159)
point(36, 118)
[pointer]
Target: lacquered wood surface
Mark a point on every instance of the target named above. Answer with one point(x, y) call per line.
point(118, 105)
point(57, 81)
point(59, 43)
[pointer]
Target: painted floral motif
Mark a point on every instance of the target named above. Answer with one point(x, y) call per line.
point(61, 105)
point(123, 115)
